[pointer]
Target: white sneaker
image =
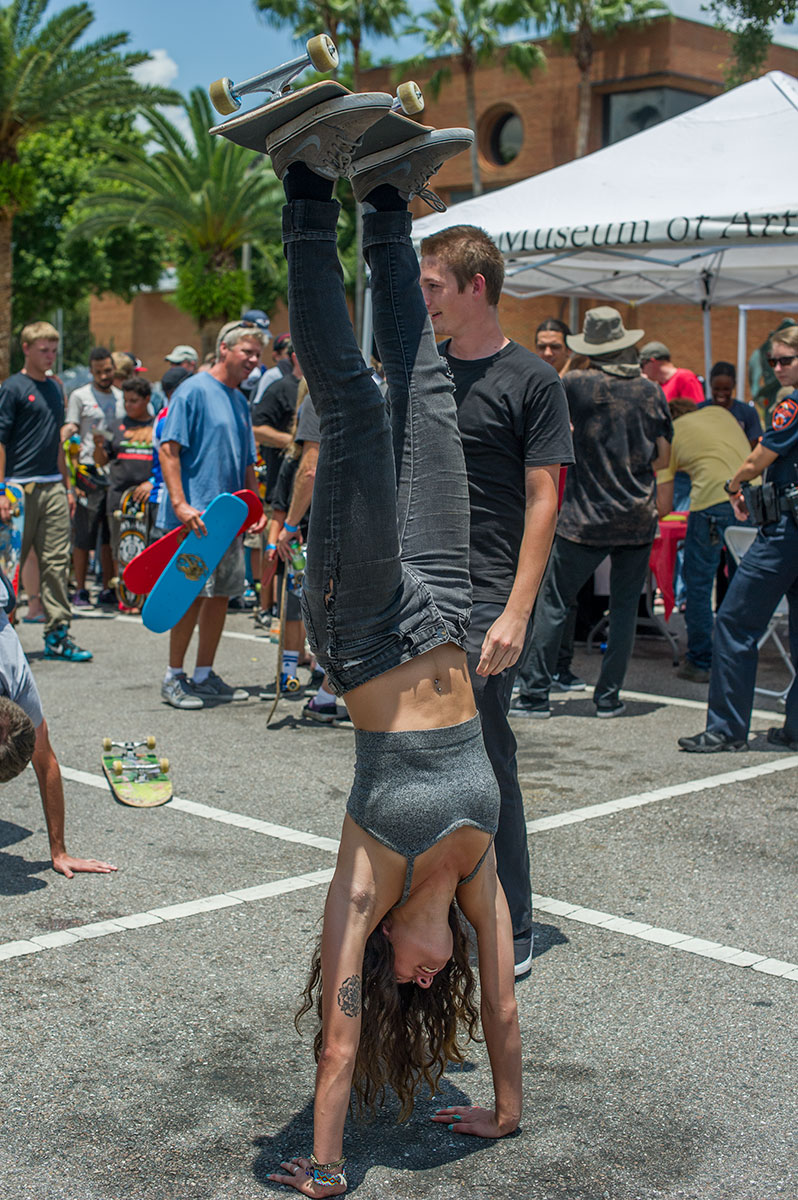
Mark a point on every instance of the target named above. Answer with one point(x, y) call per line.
point(326, 136)
point(409, 165)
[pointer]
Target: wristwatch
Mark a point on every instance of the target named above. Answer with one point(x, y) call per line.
point(728, 490)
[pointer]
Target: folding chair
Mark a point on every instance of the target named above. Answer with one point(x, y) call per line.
point(739, 539)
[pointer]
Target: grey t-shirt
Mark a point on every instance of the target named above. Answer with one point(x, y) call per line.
point(307, 426)
point(16, 680)
point(92, 411)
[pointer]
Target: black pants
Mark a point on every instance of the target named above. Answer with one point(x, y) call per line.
point(493, 694)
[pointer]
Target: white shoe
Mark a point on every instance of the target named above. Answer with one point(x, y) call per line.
point(409, 165)
point(326, 136)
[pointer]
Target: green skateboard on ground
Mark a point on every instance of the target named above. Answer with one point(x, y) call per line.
point(135, 777)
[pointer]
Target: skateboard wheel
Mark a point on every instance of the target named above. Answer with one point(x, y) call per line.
point(118, 514)
point(411, 97)
point(164, 765)
point(150, 742)
point(107, 744)
point(222, 97)
point(117, 767)
point(291, 684)
point(322, 52)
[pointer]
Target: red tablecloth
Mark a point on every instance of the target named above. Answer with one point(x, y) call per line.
point(663, 555)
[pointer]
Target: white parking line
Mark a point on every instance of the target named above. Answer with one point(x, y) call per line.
point(668, 937)
point(155, 916)
point(575, 815)
point(730, 955)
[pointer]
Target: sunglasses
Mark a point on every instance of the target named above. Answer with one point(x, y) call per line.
point(783, 361)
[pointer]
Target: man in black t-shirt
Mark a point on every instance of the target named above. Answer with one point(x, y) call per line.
point(31, 416)
point(622, 434)
point(272, 421)
point(514, 424)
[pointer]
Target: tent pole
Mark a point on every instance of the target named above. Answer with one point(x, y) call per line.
point(742, 355)
point(707, 346)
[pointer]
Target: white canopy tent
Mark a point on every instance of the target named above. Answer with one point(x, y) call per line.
point(701, 209)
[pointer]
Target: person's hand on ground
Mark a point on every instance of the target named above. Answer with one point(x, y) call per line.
point(476, 1121)
point(66, 865)
point(296, 1177)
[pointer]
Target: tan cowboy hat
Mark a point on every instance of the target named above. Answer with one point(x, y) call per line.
point(603, 333)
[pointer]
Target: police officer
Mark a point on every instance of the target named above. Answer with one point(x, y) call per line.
point(767, 572)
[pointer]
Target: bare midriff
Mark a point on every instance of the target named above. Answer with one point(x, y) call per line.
point(430, 691)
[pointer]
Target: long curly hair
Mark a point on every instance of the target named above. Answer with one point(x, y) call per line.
point(408, 1034)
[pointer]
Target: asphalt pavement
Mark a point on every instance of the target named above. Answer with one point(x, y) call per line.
point(147, 1044)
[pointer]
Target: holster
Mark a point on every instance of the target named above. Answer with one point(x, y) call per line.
point(754, 503)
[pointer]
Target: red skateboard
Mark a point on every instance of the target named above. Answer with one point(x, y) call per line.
point(142, 573)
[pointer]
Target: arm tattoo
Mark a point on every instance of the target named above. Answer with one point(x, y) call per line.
point(349, 996)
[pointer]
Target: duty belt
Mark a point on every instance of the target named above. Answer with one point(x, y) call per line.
point(767, 502)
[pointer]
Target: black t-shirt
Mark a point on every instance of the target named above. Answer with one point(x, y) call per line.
point(609, 497)
point(512, 414)
point(31, 416)
point(130, 459)
point(276, 407)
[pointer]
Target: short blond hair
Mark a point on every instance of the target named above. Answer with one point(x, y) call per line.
point(37, 330)
point(235, 331)
point(123, 364)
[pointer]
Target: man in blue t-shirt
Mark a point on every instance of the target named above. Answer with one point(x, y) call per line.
point(207, 447)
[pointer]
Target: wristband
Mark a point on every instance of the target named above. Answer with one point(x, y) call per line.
point(271, 546)
point(290, 528)
point(728, 490)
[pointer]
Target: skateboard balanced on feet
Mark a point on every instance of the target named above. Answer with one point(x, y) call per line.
point(136, 777)
point(250, 129)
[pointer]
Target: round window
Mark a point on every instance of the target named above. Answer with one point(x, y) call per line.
point(505, 138)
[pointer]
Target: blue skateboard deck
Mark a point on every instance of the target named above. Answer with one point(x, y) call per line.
point(184, 577)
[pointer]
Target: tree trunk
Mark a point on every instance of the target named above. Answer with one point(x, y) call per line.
point(6, 293)
point(583, 52)
point(471, 110)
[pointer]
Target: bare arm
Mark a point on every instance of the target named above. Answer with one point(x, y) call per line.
point(758, 460)
point(5, 507)
point(663, 456)
point(267, 435)
point(664, 498)
point(251, 481)
point(301, 496)
point(504, 641)
point(483, 903)
point(51, 788)
point(169, 454)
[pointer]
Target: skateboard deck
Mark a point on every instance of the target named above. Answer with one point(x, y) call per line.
point(141, 574)
point(136, 778)
point(250, 129)
point(11, 534)
point(196, 557)
point(134, 529)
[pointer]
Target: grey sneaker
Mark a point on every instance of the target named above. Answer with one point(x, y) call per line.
point(325, 137)
point(408, 166)
point(178, 692)
point(215, 688)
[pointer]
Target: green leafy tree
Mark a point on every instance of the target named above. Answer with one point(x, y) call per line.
point(751, 24)
point(470, 31)
point(575, 24)
point(51, 269)
point(207, 195)
point(48, 77)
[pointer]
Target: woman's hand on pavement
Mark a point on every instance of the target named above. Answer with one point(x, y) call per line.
point(297, 1177)
point(476, 1121)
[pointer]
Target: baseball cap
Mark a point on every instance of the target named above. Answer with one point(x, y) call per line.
point(654, 350)
point(171, 378)
point(181, 354)
point(282, 342)
point(256, 316)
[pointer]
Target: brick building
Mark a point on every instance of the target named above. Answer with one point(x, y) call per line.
point(525, 127)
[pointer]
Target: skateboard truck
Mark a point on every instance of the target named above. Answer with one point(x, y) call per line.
point(320, 53)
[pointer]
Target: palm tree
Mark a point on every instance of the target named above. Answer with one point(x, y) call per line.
point(470, 31)
point(208, 195)
point(46, 80)
point(575, 23)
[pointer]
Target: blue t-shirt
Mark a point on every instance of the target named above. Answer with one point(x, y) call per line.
point(745, 415)
point(782, 439)
point(211, 423)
